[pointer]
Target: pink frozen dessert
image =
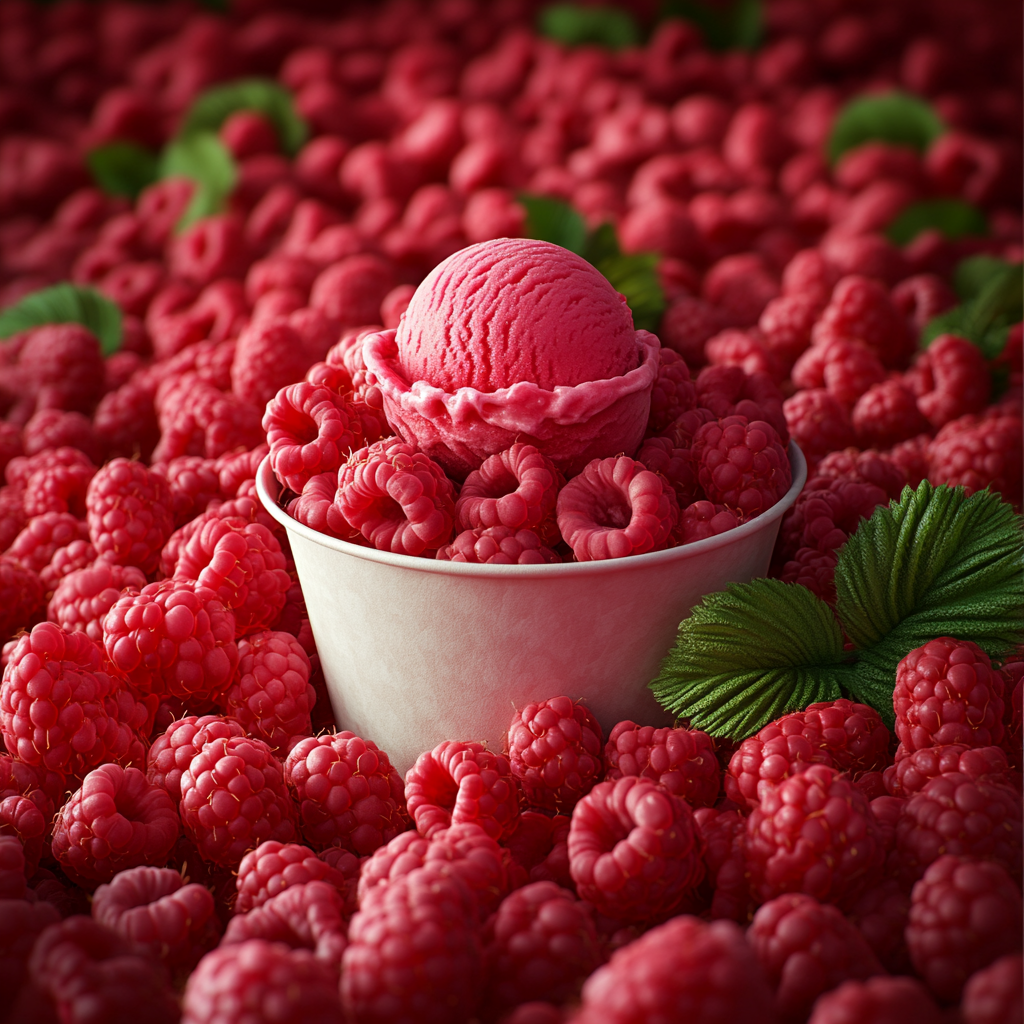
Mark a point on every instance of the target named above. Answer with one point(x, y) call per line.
point(515, 340)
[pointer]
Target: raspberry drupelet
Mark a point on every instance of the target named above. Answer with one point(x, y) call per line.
point(273, 867)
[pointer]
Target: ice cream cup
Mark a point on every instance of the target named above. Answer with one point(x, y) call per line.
point(416, 651)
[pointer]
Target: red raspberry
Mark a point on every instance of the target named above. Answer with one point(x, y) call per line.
point(834, 859)
point(242, 981)
point(814, 570)
point(634, 851)
point(153, 908)
point(315, 507)
point(172, 751)
point(125, 420)
point(614, 508)
point(947, 692)
point(687, 325)
point(347, 792)
point(745, 349)
point(413, 952)
point(785, 325)
point(64, 366)
point(555, 752)
point(686, 969)
point(681, 760)
point(818, 423)
point(398, 498)
point(740, 285)
point(116, 820)
point(21, 596)
point(235, 470)
point(993, 994)
point(498, 545)
point(913, 770)
point(55, 428)
point(12, 869)
point(55, 481)
point(978, 452)
point(741, 465)
point(886, 414)
point(233, 797)
point(193, 482)
point(806, 948)
point(21, 923)
point(539, 847)
point(462, 782)
point(12, 514)
point(881, 915)
point(950, 379)
point(660, 455)
point(10, 444)
point(703, 519)
point(860, 308)
point(964, 915)
point(958, 815)
point(540, 945)
point(849, 369)
point(89, 973)
point(273, 867)
point(129, 514)
point(728, 391)
point(877, 1001)
point(61, 709)
point(26, 811)
point(922, 298)
point(269, 356)
point(271, 696)
point(79, 554)
point(310, 429)
point(173, 638)
point(673, 394)
point(83, 597)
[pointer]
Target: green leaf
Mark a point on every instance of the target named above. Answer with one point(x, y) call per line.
point(954, 218)
point(895, 117)
point(62, 304)
point(573, 25)
point(935, 563)
point(205, 160)
point(972, 274)
point(738, 25)
point(602, 244)
point(749, 654)
point(636, 277)
point(263, 95)
point(552, 220)
point(122, 168)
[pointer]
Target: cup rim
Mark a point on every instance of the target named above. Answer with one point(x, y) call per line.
point(268, 490)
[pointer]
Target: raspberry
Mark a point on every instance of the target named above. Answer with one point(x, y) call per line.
point(818, 423)
point(534, 1012)
point(83, 597)
point(273, 867)
point(947, 692)
point(849, 369)
point(785, 326)
point(62, 710)
point(729, 391)
point(741, 464)
point(12, 869)
point(125, 421)
point(398, 498)
point(993, 994)
point(814, 570)
point(978, 452)
point(315, 507)
point(887, 414)
point(881, 915)
point(21, 923)
point(913, 770)
point(462, 782)
point(413, 952)
point(235, 470)
point(922, 298)
point(79, 554)
point(55, 428)
point(347, 792)
point(55, 481)
point(955, 814)
point(950, 379)
point(877, 1001)
point(740, 285)
point(269, 356)
point(806, 948)
point(154, 909)
point(540, 945)
point(10, 444)
point(538, 846)
point(91, 974)
point(243, 981)
point(271, 696)
point(21, 596)
point(687, 325)
point(860, 308)
point(116, 820)
point(498, 545)
point(660, 455)
point(64, 365)
point(834, 859)
point(673, 393)
point(964, 915)
point(311, 430)
point(686, 969)
point(555, 752)
point(26, 811)
point(173, 638)
point(12, 514)
point(193, 482)
point(681, 760)
point(634, 851)
point(703, 519)
point(614, 508)
point(745, 349)
point(172, 751)
point(129, 514)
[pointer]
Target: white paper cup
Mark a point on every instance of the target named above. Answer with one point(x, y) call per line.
point(417, 651)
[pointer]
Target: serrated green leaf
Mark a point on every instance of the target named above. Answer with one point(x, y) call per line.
point(953, 218)
point(737, 25)
point(263, 95)
point(206, 161)
point(636, 277)
point(895, 117)
point(66, 303)
point(975, 272)
point(122, 168)
point(750, 653)
point(574, 25)
point(552, 220)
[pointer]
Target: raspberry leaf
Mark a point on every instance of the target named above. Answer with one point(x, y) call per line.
point(122, 168)
point(552, 220)
point(206, 161)
point(894, 117)
point(953, 218)
point(62, 304)
point(574, 25)
point(749, 654)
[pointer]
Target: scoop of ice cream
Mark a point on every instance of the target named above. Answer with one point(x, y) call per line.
point(511, 310)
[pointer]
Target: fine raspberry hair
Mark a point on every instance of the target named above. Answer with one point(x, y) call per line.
point(681, 760)
point(273, 867)
point(498, 545)
point(994, 994)
point(83, 597)
point(457, 783)
point(877, 1001)
point(172, 751)
point(554, 750)
point(347, 792)
point(634, 850)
